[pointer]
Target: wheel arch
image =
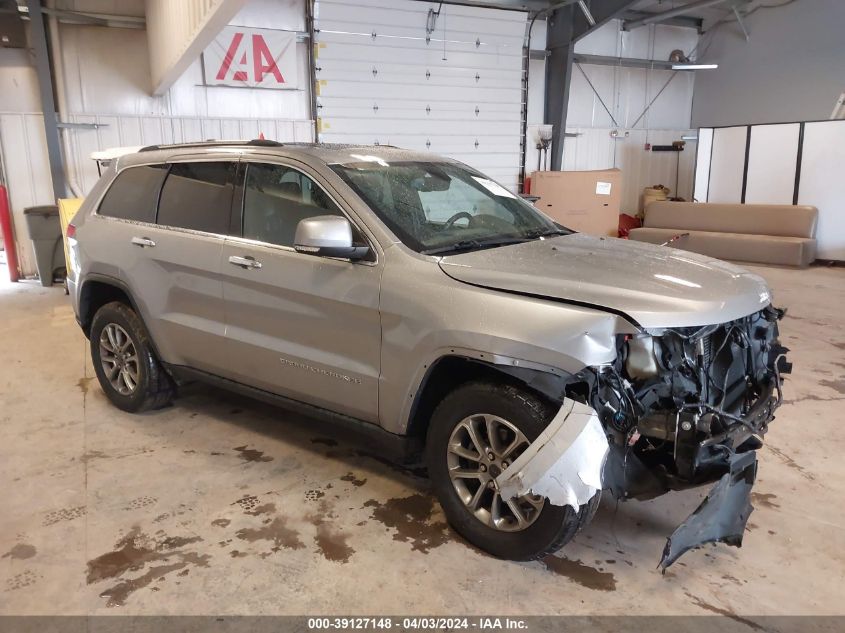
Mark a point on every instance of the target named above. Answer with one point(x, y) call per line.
point(454, 369)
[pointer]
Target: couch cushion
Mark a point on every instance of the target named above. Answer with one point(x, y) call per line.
point(763, 249)
point(756, 219)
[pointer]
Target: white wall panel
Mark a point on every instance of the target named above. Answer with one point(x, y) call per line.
point(772, 156)
point(27, 170)
point(727, 164)
point(822, 184)
point(117, 131)
point(702, 164)
point(594, 148)
point(458, 94)
point(627, 93)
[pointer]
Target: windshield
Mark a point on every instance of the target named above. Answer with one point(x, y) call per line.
point(443, 207)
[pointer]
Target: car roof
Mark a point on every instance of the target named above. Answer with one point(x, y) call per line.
point(328, 153)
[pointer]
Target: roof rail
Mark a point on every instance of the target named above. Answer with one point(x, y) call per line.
point(256, 142)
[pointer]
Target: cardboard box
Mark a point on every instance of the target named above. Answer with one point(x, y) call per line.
point(586, 201)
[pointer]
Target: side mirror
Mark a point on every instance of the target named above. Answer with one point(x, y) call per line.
point(327, 236)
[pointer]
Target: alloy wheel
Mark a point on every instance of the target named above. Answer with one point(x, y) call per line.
point(480, 448)
point(119, 359)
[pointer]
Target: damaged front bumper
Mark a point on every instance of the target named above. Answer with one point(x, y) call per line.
point(722, 516)
point(564, 464)
point(572, 460)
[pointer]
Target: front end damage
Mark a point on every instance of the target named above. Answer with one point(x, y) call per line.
point(677, 408)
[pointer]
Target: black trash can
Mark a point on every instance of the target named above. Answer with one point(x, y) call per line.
point(45, 231)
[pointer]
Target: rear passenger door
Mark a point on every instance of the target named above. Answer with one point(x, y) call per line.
point(300, 326)
point(177, 267)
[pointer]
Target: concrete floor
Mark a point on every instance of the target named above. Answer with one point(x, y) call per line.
point(223, 505)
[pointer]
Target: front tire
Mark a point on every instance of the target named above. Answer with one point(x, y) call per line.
point(124, 361)
point(475, 433)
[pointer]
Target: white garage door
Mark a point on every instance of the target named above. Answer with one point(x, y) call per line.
point(456, 91)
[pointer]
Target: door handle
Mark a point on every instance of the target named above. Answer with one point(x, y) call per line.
point(142, 242)
point(244, 262)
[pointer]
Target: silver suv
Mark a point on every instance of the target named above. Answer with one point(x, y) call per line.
point(415, 299)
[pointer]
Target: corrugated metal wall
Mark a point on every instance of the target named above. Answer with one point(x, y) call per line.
point(457, 92)
point(106, 78)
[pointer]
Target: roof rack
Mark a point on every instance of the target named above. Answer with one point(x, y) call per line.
point(256, 142)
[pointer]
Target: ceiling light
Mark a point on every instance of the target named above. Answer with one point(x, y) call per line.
point(586, 11)
point(693, 66)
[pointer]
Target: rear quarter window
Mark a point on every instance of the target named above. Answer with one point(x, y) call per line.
point(133, 194)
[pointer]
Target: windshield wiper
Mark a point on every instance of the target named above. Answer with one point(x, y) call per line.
point(469, 245)
point(533, 235)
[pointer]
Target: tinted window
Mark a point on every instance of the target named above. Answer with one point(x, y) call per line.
point(276, 198)
point(198, 196)
point(133, 194)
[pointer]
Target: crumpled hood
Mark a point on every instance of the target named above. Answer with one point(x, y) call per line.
point(656, 286)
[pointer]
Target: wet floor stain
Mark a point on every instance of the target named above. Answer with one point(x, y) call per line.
point(836, 385)
point(21, 551)
point(132, 553)
point(331, 543)
point(83, 384)
point(65, 514)
point(351, 478)
point(724, 612)
point(276, 531)
point(791, 463)
point(252, 455)
point(765, 499)
point(575, 570)
point(411, 518)
point(221, 523)
point(264, 508)
point(325, 441)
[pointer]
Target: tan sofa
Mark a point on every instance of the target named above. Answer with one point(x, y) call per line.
point(762, 233)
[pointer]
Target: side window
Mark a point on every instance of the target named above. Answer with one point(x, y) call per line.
point(133, 194)
point(276, 198)
point(198, 196)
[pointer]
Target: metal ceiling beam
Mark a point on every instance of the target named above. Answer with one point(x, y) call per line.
point(671, 13)
point(685, 21)
point(624, 62)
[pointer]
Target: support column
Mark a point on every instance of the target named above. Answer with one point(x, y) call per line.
point(48, 102)
point(560, 46)
point(567, 25)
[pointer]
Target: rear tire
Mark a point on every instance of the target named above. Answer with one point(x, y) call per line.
point(126, 365)
point(522, 412)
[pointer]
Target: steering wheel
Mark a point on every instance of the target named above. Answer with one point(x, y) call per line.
point(456, 217)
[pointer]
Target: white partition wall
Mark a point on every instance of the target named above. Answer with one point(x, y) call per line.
point(822, 183)
point(702, 164)
point(784, 163)
point(727, 164)
point(772, 156)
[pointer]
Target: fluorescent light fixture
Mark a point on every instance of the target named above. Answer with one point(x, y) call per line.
point(693, 66)
point(689, 138)
point(586, 11)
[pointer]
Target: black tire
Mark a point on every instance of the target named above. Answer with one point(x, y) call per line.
point(553, 527)
point(154, 388)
